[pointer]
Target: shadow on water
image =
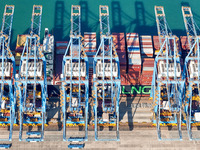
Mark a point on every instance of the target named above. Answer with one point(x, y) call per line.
point(141, 16)
point(84, 17)
point(185, 4)
point(59, 20)
point(116, 17)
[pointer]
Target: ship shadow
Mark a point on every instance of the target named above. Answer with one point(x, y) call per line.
point(59, 20)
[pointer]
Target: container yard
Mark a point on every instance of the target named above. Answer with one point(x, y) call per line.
point(99, 74)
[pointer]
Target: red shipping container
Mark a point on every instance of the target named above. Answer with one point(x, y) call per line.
point(148, 60)
point(124, 80)
point(145, 43)
point(133, 75)
point(89, 34)
point(147, 73)
point(122, 58)
point(156, 42)
point(122, 49)
point(184, 43)
point(131, 34)
point(122, 69)
point(133, 68)
point(58, 66)
point(133, 43)
point(145, 83)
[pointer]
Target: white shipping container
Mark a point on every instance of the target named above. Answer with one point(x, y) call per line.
point(134, 61)
point(145, 36)
point(135, 56)
point(144, 46)
point(148, 68)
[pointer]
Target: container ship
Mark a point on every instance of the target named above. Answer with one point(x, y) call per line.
point(92, 78)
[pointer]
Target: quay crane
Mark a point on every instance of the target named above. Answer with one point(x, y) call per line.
point(106, 81)
point(74, 88)
point(7, 74)
point(192, 74)
point(32, 83)
point(167, 83)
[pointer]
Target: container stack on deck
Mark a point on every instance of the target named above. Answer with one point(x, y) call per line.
point(147, 60)
point(134, 59)
point(156, 44)
point(21, 39)
point(90, 50)
point(49, 55)
point(119, 43)
point(61, 47)
point(147, 71)
point(146, 46)
point(185, 46)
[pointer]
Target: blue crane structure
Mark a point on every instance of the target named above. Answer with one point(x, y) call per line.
point(75, 79)
point(167, 83)
point(32, 82)
point(7, 62)
point(191, 74)
point(106, 80)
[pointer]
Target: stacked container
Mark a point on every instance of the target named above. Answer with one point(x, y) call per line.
point(21, 39)
point(146, 46)
point(90, 49)
point(156, 43)
point(48, 49)
point(147, 71)
point(61, 47)
point(119, 43)
point(185, 46)
point(134, 58)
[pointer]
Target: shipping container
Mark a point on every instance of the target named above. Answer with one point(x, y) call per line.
point(157, 44)
point(90, 42)
point(21, 40)
point(61, 47)
point(146, 46)
point(58, 68)
point(119, 41)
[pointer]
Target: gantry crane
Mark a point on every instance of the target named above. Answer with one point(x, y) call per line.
point(191, 74)
point(7, 74)
point(167, 82)
point(32, 82)
point(74, 88)
point(106, 78)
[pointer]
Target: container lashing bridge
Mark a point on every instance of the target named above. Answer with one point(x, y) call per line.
point(106, 78)
point(32, 83)
point(7, 73)
point(74, 87)
point(192, 74)
point(167, 82)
